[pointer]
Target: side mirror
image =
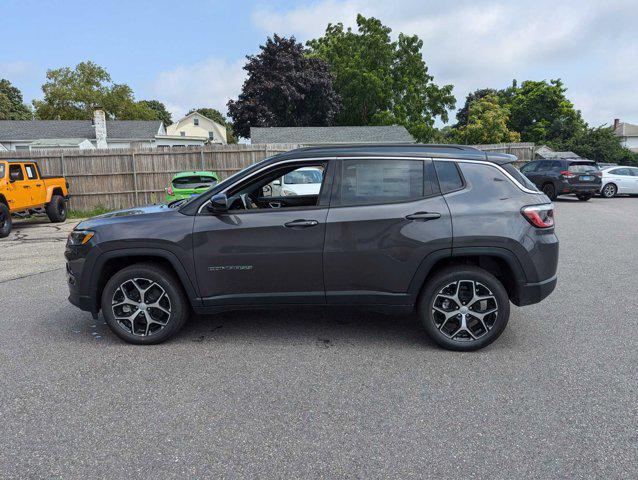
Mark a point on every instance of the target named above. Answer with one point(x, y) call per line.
point(218, 204)
point(277, 182)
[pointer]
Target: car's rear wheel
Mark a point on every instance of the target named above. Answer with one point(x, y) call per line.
point(583, 197)
point(464, 308)
point(56, 209)
point(5, 221)
point(144, 304)
point(610, 190)
point(549, 190)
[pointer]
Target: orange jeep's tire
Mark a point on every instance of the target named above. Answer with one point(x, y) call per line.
point(5, 221)
point(56, 209)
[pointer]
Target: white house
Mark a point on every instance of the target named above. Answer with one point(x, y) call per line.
point(628, 134)
point(197, 126)
point(19, 135)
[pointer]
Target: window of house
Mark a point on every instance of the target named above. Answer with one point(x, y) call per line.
point(183, 134)
point(211, 135)
point(195, 121)
point(381, 181)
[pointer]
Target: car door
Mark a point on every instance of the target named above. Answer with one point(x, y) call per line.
point(623, 179)
point(269, 254)
point(20, 196)
point(386, 216)
point(37, 192)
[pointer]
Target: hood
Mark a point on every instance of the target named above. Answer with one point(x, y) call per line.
point(125, 215)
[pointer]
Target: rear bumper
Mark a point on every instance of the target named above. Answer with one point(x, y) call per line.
point(530, 293)
point(566, 188)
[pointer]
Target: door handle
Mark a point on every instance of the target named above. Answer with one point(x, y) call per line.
point(425, 216)
point(301, 223)
point(38, 184)
point(26, 186)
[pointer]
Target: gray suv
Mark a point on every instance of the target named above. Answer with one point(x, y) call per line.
point(451, 231)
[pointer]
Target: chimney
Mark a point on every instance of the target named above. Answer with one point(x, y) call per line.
point(616, 122)
point(99, 122)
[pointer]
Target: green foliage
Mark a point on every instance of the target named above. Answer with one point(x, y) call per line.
point(160, 111)
point(382, 82)
point(600, 144)
point(486, 123)
point(72, 94)
point(541, 113)
point(12, 106)
point(285, 87)
point(98, 210)
point(216, 116)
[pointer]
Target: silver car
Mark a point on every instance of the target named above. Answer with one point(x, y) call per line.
point(619, 180)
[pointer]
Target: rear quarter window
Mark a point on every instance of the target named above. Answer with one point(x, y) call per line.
point(449, 176)
point(1, 170)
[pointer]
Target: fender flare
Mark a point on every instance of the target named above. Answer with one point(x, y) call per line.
point(431, 259)
point(104, 257)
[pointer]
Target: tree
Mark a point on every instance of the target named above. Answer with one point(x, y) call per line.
point(600, 144)
point(72, 94)
point(12, 106)
point(462, 114)
point(380, 81)
point(284, 87)
point(486, 123)
point(216, 116)
point(541, 113)
point(160, 111)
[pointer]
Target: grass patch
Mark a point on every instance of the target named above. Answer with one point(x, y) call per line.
point(99, 210)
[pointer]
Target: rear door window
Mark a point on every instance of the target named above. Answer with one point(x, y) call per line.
point(31, 172)
point(449, 176)
point(381, 181)
point(621, 171)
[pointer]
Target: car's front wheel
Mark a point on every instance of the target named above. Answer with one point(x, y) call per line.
point(609, 191)
point(5, 221)
point(464, 308)
point(144, 304)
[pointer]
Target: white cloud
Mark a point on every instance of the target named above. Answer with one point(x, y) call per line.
point(210, 83)
point(591, 45)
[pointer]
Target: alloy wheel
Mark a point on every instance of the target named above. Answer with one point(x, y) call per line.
point(141, 307)
point(464, 310)
point(609, 190)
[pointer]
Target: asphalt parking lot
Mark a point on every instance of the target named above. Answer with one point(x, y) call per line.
point(314, 394)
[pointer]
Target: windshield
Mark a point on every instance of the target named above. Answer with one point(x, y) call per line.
point(194, 181)
point(303, 176)
point(583, 167)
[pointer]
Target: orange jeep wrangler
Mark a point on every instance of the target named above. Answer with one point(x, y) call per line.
point(24, 191)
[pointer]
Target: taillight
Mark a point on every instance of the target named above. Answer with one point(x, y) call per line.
point(599, 174)
point(541, 216)
point(170, 190)
point(567, 174)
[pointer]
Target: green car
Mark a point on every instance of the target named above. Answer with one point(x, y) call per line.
point(186, 184)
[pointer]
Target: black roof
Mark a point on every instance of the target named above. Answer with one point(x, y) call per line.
point(414, 150)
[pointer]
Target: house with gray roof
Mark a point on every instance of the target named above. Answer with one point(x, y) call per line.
point(628, 133)
point(546, 153)
point(25, 135)
point(331, 135)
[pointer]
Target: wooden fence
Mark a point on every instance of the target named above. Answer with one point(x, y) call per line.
point(122, 178)
point(523, 151)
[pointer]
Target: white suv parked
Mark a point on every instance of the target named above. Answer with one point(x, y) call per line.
point(619, 180)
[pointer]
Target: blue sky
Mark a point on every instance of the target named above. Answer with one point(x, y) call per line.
point(190, 53)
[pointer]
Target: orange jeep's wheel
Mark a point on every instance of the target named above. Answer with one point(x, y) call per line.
point(5, 221)
point(56, 209)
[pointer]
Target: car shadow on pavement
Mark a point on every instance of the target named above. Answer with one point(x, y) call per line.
point(323, 328)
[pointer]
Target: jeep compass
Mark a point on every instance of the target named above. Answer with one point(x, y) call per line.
point(449, 231)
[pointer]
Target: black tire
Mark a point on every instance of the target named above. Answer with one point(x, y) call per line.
point(584, 197)
point(549, 190)
point(56, 209)
point(461, 340)
point(5, 221)
point(141, 333)
point(609, 191)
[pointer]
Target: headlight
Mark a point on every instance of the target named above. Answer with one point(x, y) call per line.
point(79, 237)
